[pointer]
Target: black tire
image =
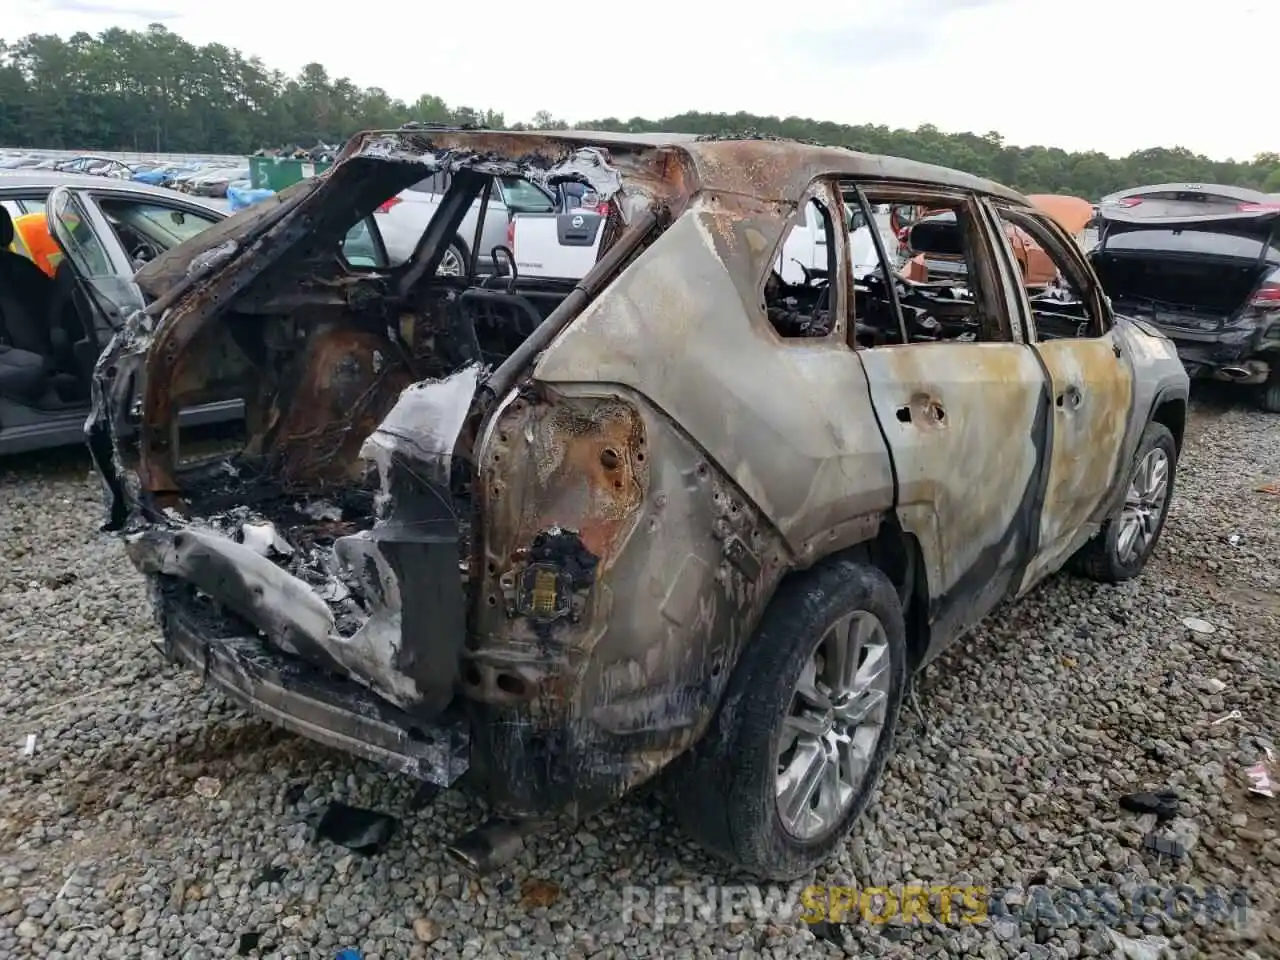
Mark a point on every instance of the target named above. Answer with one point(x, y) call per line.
point(1269, 392)
point(724, 788)
point(1099, 559)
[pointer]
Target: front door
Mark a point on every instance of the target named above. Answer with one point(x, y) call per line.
point(1092, 385)
point(101, 267)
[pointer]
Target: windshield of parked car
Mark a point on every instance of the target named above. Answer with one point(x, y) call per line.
point(166, 226)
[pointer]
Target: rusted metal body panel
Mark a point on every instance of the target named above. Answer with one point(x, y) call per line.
point(967, 425)
point(339, 394)
point(1160, 387)
point(580, 543)
point(1092, 387)
point(585, 694)
point(789, 422)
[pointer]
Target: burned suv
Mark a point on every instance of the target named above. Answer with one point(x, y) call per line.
point(678, 517)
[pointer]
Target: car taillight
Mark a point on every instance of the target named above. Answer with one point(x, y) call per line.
point(385, 207)
point(602, 208)
point(1129, 202)
point(1267, 297)
point(1258, 207)
point(511, 235)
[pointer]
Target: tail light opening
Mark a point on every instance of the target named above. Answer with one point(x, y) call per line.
point(1266, 297)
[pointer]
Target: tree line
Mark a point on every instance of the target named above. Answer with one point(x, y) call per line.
point(151, 90)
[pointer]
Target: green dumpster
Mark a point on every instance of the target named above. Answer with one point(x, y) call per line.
point(276, 173)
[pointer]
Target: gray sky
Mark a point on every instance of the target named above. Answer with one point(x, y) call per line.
point(1111, 75)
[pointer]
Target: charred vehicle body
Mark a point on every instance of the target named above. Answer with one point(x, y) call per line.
point(675, 517)
point(1206, 272)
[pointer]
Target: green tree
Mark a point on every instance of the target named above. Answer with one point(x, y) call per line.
point(152, 90)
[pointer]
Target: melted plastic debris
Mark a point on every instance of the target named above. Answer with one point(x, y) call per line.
point(588, 165)
point(322, 510)
point(138, 324)
point(264, 539)
point(333, 591)
point(212, 258)
point(424, 422)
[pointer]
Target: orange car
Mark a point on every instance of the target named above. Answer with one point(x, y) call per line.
point(1071, 213)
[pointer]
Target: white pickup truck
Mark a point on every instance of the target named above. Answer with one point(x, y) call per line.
point(559, 245)
point(566, 245)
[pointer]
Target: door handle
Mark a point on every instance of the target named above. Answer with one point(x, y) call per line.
point(1115, 348)
point(1070, 398)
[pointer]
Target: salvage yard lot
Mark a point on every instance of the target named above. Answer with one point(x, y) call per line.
point(1030, 731)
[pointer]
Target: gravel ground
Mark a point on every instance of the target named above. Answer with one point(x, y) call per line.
point(1007, 776)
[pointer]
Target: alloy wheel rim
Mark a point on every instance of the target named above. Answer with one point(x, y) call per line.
point(836, 717)
point(450, 264)
point(1144, 505)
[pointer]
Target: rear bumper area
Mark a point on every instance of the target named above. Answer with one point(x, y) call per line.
point(337, 713)
point(1222, 357)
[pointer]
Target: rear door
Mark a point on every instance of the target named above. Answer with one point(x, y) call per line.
point(963, 404)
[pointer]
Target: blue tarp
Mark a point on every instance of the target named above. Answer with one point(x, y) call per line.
point(238, 199)
point(153, 177)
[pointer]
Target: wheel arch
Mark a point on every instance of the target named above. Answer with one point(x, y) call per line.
point(898, 555)
point(1172, 412)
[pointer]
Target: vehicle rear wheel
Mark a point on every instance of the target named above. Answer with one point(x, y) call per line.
point(453, 263)
point(1269, 393)
point(803, 732)
point(1122, 547)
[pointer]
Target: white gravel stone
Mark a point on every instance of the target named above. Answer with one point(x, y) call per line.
point(1033, 727)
